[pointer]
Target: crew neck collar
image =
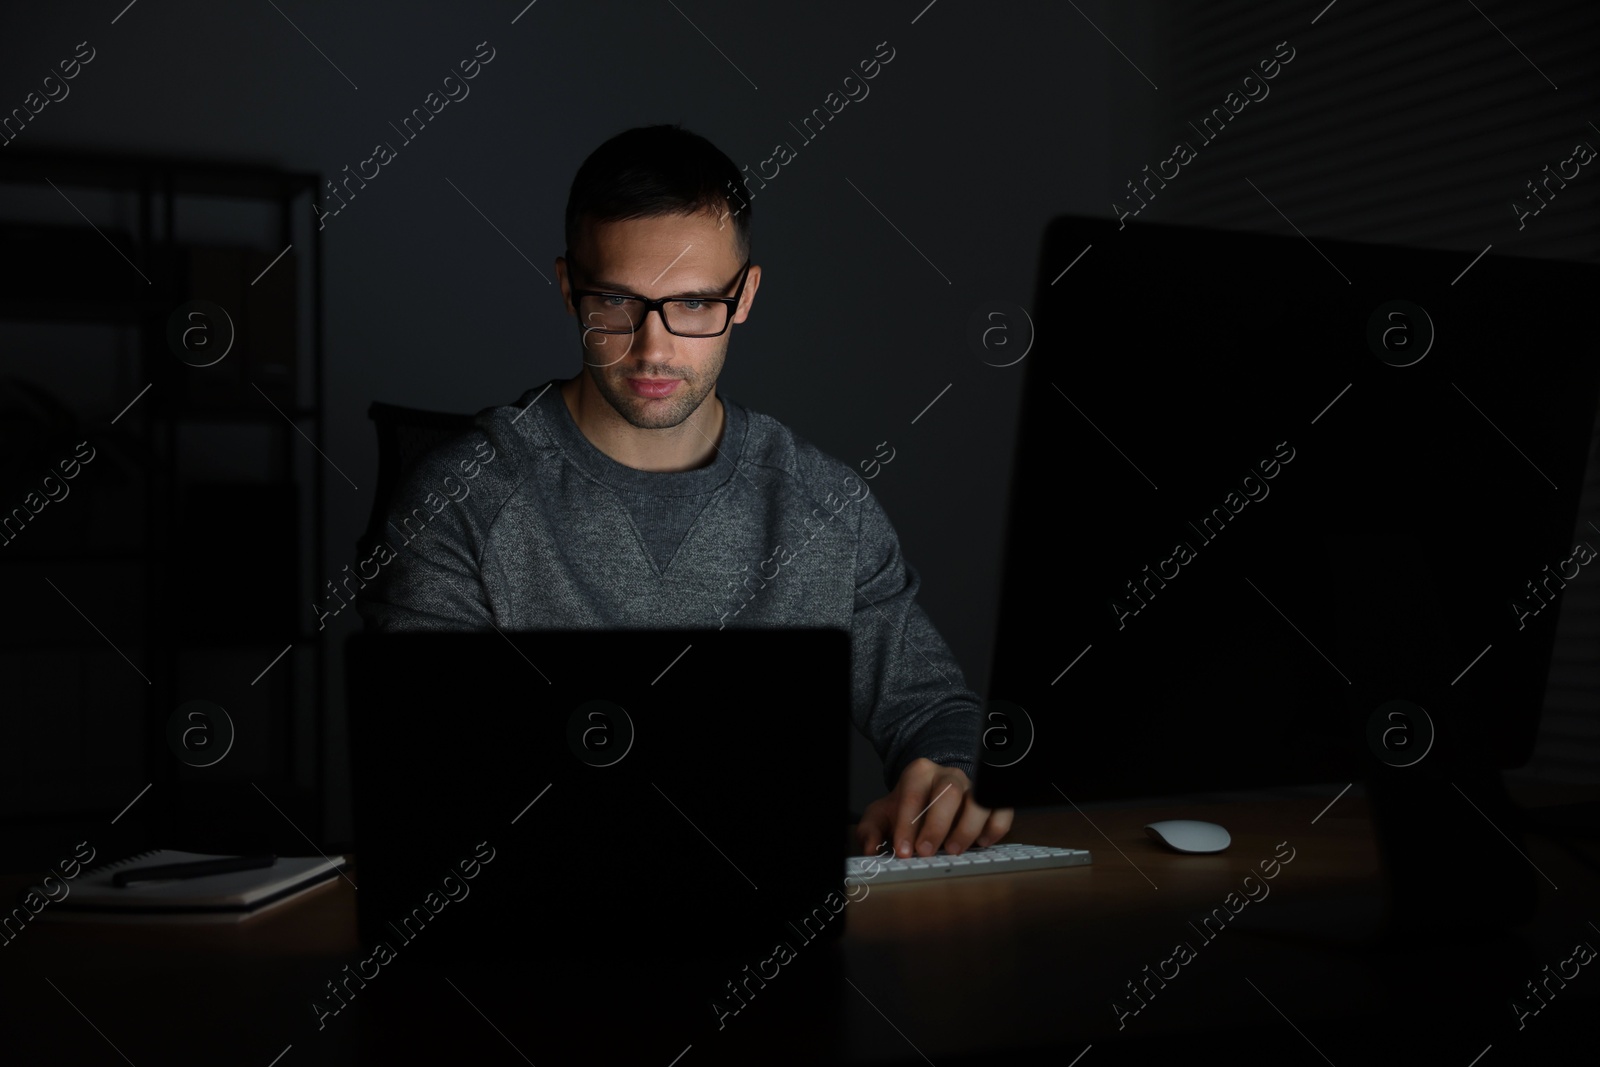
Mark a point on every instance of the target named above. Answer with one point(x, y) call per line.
point(620, 476)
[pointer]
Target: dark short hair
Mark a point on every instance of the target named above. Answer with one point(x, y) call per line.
point(650, 171)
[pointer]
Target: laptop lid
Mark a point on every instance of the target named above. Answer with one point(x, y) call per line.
point(665, 793)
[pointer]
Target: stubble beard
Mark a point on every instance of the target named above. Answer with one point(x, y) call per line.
point(644, 413)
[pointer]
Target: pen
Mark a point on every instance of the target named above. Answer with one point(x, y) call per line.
point(195, 869)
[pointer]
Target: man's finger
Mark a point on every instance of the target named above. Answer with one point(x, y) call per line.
point(998, 826)
point(971, 822)
point(873, 830)
point(914, 797)
point(942, 810)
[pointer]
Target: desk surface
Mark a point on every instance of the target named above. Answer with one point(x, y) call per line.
point(948, 973)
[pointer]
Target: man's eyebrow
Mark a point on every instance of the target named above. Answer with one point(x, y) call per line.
point(622, 290)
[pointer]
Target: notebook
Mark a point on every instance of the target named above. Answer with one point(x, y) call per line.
point(231, 897)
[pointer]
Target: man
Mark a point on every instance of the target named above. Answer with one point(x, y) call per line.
point(633, 496)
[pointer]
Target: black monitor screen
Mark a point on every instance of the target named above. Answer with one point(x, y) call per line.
point(1277, 506)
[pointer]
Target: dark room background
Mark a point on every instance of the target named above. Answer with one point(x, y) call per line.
point(916, 208)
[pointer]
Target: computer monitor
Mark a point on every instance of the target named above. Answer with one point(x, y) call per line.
point(1284, 511)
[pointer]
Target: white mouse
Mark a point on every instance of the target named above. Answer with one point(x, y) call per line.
point(1190, 835)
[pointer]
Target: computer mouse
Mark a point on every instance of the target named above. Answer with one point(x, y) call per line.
point(1189, 835)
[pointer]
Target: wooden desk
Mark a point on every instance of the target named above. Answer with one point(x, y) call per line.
point(1018, 968)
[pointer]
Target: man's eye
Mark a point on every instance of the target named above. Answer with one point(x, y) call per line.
point(615, 301)
point(692, 305)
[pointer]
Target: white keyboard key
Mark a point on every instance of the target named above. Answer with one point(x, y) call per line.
point(996, 859)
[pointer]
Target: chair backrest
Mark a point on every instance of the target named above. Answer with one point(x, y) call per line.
point(405, 435)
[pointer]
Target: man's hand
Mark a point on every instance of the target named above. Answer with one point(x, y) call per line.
point(931, 806)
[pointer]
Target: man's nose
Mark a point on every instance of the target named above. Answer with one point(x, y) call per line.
point(653, 341)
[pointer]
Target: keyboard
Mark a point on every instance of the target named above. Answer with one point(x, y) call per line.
point(996, 859)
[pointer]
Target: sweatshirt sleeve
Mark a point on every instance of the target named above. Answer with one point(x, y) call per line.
point(910, 697)
point(429, 576)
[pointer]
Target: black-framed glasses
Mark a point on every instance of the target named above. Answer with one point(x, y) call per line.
point(685, 316)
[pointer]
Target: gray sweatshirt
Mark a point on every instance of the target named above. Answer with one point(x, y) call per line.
point(522, 521)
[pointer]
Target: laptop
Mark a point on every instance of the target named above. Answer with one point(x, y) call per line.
point(644, 793)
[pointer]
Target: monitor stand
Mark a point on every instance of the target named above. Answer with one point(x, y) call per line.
point(1455, 870)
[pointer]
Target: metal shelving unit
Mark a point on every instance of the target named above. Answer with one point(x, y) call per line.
point(81, 281)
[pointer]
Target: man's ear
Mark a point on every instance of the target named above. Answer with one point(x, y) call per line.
point(747, 298)
point(566, 285)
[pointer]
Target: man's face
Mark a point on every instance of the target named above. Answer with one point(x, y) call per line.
point(669, 256)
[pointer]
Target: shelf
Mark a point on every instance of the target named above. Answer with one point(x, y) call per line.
point(145, 173)
point(87, 555)
point(227, 415)
point(107, 281)
point(224, 641)
point(68, 644)
point(100, 312)
point(208, 644)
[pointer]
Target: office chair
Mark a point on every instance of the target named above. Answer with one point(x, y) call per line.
point(404, 436)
